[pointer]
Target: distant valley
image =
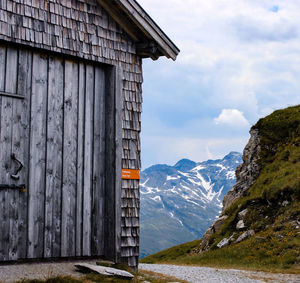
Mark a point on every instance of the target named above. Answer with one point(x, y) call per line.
point(179, 203)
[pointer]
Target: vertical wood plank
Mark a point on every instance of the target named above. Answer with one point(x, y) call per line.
point(113, 159)
point(116, 89)
point(98, 164)
point(11, 70)
point(88, 165)
point(37, 156)
point(54, 158)
point(3, 193)
point(70, 160)
point(5, 152)
point(20, 143)
point(80, 155)
point(8, 103)
point(2, 66)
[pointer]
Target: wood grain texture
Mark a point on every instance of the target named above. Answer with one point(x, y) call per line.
point(98, 193)
point(52, 241)
point(118, 102)
point(101, 39)
point(8, 112)
point(2, 66)
point(36, 187)
point(5, 140)
point(20, 144)
point(88, 161)
point(70, 160)
point(110, 167)
point(80, 157)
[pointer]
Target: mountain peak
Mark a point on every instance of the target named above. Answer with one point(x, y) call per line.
point(233, 155)
point(185, 164)
point(178, 203)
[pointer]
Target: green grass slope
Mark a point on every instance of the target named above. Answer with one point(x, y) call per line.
point(273, 204)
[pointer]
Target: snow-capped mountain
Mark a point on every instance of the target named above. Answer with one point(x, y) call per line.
point(178, 203)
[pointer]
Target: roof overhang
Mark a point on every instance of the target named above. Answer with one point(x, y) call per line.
point(150, 40)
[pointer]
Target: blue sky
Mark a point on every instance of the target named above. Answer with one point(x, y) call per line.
point(239, 61)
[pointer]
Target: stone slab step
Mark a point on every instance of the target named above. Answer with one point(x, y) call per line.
point(103, 270)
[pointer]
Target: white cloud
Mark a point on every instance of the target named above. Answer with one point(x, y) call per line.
point(235, 55)
point(233, 118)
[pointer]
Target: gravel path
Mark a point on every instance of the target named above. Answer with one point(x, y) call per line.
point(211, 275)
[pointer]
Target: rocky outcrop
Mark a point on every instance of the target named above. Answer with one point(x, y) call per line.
point(245, 235)
point(225, 242)
point(213, 229)
point(247, 172)
point(240, 225)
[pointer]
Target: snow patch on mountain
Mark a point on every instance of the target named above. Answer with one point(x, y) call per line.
point(230, 175)
point(172, 178)
point(178, 203)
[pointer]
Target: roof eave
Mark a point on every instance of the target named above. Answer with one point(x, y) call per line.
point(133, 16)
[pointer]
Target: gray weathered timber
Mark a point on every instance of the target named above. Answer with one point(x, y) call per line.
point(36, 211)
point(116, 90)
point(11, 87)
point(110, 221)
point(59, 133)
point(80, 158)
point(98, 195)
point(52, 241)
point(20, 144)
point(2, 155)
point(113, 156)
point(88, 162)
point(69, 159)
point(86, 30)
point(136, 13)
point(2, 66)
point(6, 137)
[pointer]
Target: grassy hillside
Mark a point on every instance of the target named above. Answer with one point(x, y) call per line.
point(273, 204)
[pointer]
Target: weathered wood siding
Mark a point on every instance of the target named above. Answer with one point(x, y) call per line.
point(84, 29)
point(62, 212)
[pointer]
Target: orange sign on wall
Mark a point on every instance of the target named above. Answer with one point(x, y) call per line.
point(131, 174)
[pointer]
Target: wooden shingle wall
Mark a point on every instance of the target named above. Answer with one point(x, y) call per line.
point(84, 29)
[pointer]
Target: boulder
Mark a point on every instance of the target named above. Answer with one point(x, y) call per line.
point(103, 270)
point(240, 225)
point(242, 213)
point(225, 242)
point(204, 246)
point(245, 235)
point(231, 238)
point(219, 222)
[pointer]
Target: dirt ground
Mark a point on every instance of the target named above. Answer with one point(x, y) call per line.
point(14, 272)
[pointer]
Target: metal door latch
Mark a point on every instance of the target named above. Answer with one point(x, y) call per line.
point(15, 176)
point(14, 187)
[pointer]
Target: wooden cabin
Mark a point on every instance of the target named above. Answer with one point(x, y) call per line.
point(70, 104)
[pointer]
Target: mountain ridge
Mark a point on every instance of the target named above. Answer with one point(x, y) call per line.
point(259, 227)
point(179, 202)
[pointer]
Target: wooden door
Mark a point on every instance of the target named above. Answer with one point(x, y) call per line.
point(53, 120)
point(15, 76)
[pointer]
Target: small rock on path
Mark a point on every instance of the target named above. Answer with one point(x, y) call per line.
point(212, 275)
